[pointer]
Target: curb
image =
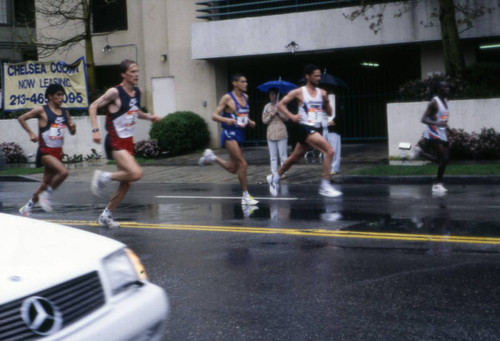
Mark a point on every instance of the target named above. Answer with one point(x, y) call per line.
point(418, 180)
point(16, 178)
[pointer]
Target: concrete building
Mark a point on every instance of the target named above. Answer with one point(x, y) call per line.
point(186, 49)
point(14, 34)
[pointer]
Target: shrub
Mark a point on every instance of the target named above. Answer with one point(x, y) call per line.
point(482, 80)
point(468, 146)
point(147, 149)
point(488, 147)
point(76, 158)
point(423, 90)
point(94, 155)
point(180, 132)
point(13, 152)
point(462, 144)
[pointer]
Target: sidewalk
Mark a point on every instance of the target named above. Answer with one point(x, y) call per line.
point(185, 169)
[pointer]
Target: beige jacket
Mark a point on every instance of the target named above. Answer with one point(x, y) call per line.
point(276, 128)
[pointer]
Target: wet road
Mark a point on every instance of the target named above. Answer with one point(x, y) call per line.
point(380, 263)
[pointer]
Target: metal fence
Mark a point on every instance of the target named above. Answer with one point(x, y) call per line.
point(233, 9)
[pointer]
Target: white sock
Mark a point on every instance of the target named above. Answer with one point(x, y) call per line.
point(30, 204)
point(246, 194)
point(325, 182)
point(276, 178)
point(106, 176)
point(107, 213)
point(49, 190)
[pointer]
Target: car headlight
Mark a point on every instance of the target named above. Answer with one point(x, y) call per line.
point(123, 269)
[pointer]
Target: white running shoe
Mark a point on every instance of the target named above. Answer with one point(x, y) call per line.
point(107, 221)
point(45, 200)
point(327, 190)
point(438, 188)
point(208, 158)
point(25, 211)
point(248, 210)
point(249, 201)
point(273, 187)
point(98, 183)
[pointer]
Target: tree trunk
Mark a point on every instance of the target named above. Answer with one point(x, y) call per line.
point(452, 51)
point(89, 51)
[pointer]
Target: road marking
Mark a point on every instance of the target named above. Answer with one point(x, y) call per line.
point(299, 232)
point(212, 197)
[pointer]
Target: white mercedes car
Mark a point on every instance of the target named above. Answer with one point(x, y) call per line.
point(61, 283)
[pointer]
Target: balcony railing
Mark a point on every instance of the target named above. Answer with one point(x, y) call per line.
point(233, 9)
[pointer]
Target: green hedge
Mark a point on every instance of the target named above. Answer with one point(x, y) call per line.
point(484, 145)
point(480, 81)
point(181, 132)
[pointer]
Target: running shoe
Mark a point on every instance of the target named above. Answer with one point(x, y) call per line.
point(249, 201)
point(25, 211)
point(273, 187)
point(46, 201)
point(327, 190)
point(98, 183)
point(107, 221)
point(208, 158)
point(248, 210)
point(439, 188)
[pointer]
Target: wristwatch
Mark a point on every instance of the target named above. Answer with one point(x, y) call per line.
point(95, 130)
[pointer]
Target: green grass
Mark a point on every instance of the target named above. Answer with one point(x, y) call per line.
point(453, 169)
point(21, 171)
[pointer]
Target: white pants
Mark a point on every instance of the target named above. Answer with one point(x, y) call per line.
point(334, 140)
point(277, 147)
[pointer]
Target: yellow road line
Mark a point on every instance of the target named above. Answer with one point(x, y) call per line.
point(300, 232)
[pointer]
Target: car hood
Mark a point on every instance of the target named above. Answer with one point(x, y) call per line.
point(35, 255)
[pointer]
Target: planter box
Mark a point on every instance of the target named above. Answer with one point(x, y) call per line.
point(403, 119)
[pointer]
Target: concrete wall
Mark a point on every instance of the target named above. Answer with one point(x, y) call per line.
point(80, 143)
point(326, 30)
point(403, 119)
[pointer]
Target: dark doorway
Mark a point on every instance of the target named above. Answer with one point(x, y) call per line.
point(374, 75)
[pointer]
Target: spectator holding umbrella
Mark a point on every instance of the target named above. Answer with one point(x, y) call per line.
point(277, 135)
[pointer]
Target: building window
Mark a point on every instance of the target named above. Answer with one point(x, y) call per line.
point(109, 16)
point(24, 11)
point(3, 12)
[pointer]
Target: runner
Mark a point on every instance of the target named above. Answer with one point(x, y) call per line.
point(312, 103)
point(436, 117)
point(52, 123)
point(122, 104)
point(232, 112)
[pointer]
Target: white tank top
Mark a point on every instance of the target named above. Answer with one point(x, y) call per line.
point(434, 132)
point(311, 112)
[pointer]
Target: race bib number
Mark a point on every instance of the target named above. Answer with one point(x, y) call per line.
point(56, 131)
point(242, 120)
point(444, 117)
point(314, 116)
point(131, 119)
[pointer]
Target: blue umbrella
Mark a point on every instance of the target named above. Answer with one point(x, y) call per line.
point(283, 87)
